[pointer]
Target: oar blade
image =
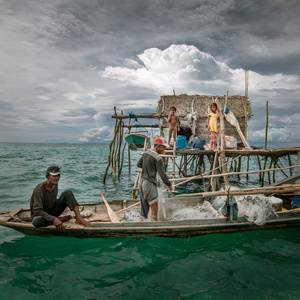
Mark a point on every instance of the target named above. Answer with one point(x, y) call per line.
point(112, 215)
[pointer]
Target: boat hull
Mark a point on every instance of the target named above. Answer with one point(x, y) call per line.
point(136, 141)
point(177, 229)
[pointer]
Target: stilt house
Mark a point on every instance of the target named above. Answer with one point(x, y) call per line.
point(193, 111)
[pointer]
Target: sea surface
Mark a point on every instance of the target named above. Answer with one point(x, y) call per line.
point(249, 265)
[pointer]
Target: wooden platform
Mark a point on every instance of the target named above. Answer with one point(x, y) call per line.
point(236, 152)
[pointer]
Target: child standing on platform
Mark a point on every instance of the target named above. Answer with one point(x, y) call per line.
point(174, 124)
point(212, 122)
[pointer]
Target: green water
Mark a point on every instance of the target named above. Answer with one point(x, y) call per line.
point(251, 265)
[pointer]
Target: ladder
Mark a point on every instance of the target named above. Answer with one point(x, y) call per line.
point(171, 154)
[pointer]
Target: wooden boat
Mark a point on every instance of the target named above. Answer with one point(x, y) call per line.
point(102, 226)
point(136, 141)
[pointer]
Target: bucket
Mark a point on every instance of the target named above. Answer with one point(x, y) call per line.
point(230, 142)
point(181, 142)
point(199, 144)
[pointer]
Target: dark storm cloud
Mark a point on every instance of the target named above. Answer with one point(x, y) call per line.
point(65, 64)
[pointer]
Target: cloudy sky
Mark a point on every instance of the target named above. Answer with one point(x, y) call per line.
point(65, 64)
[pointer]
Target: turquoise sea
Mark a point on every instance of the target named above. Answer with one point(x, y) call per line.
point(251, 265)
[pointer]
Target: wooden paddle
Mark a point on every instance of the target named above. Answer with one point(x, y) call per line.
point(112, 215)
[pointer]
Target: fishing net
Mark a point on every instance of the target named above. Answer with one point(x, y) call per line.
point(255, 208)
point(199, 212)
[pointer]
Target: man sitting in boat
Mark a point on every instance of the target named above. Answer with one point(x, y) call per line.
point(46, 208)
point(151, 164)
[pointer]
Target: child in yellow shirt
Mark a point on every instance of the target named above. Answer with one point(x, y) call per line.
point(212, 122)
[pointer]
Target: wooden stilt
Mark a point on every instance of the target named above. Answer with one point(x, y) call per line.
point(263, 174)
point(269, 174)
point(267, 124)
point(248, 166)
point(185, 165)
point(213, 181)
point(259, 164)
point(290, 163)
point(240, 164)
point(222, 154)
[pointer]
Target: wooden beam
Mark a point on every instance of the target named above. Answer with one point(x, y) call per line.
point(251, 191)
point(222, 132)
point(237, 173)
point(144, 126)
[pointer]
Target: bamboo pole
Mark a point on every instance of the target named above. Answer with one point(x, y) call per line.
point(277, 164)
point(254, 191)
point(185, 180)
point(222, 154)
point(237, 173)
point(267, 124)
point(144, 126)
point(161, 130)
point(259, 164)
point(145, 116)
point(115, 153)
point(212, 180)
point(185, 165)
point(239, 164)
point(290, 163)
point(248, 166)
point(263, 174)
point(269, 173)
point(122, 157)
point(120, 162)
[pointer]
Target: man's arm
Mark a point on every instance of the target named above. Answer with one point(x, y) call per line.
point(162, 173)
point(140, 162)
point(38, 207)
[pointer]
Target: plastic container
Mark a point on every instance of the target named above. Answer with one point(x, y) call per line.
point(199, 144)
point(181, 142)
point(230, 142)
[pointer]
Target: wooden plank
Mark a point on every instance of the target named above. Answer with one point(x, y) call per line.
point(230, 152)
point(245, 192)
point(5, 218)
point(239, 173)
point(290, 179)
point(15, 212)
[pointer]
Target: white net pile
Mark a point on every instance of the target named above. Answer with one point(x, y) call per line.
point(203, 211)
point(255, 208)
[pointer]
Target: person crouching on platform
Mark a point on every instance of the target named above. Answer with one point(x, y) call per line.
point(46, 208)
point(151, 164)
